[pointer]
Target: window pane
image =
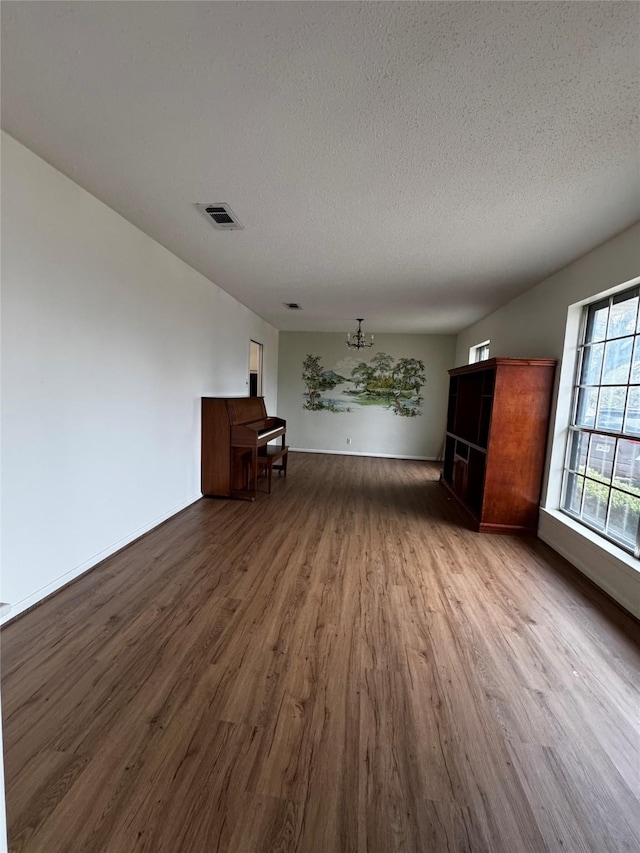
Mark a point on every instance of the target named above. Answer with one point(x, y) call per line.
point(627, 469)
point(617, 361)
point(573, 494)
point(622, 316)
point(635, 363)
point(597, 321)
point(611, 409)
point(594, 508)
point(632, 419)
point(623, 518)
point(602, 469)
point(578, 451)
point(592, 364)
point(587, 403)
point(602, 451)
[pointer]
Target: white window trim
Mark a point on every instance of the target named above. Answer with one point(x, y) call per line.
point(552, 488)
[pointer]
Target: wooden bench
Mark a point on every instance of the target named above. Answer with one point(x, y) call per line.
point(274, 457)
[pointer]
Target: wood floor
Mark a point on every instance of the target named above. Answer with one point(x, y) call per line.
point(340, 666)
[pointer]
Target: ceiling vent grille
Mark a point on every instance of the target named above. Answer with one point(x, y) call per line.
point(221, 216)
point(293, 306)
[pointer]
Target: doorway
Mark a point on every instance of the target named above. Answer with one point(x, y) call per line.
point(255, 369)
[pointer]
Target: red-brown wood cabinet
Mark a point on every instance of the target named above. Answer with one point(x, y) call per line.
point(497, 423)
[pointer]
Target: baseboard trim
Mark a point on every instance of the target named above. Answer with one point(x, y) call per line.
point(364, 453)
point(19, 608)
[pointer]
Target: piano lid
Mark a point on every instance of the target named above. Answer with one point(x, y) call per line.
point(245, 410)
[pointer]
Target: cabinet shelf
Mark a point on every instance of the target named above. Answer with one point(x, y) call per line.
point(468, 443)
point(497, 423)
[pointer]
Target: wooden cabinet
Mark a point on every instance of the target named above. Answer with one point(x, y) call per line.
point(497, 422)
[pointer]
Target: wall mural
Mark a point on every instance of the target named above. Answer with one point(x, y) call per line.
point(380, 382)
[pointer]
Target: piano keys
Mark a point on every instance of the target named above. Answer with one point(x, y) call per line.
point(258, 432)
point(235, 433)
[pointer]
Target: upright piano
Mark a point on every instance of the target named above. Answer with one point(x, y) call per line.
point(236, 432)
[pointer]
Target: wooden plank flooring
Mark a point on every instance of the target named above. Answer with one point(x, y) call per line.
point(341, 666)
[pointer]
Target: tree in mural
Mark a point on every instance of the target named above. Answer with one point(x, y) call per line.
point(380, 382)
point(408, 378)
point(314, 382)
point(382, 365)
point(373, 379)
point(362, 377)
point(397, 386)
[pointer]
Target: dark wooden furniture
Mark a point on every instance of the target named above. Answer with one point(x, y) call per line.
point(274, 458)
point(497, 422)
point(235, 436)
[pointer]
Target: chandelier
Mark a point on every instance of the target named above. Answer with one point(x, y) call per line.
point(358, 340)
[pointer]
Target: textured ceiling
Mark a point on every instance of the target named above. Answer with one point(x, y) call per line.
point(416, 164)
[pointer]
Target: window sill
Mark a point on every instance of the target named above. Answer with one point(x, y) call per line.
point(611, 549)
point(608, 566)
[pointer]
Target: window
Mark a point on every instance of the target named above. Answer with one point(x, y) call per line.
point(601, 483)
point(479, 353)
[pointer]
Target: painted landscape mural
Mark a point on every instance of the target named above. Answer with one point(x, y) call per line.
point(383, 381)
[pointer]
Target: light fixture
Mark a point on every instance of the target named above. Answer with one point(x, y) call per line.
point(358, 340)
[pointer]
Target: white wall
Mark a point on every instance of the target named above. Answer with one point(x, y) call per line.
point(533, 325)
point(373, 430)
point(543, 323)
point(108, 343)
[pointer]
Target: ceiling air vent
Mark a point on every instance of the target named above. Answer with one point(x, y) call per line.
point(221, 216)
point(293, 306)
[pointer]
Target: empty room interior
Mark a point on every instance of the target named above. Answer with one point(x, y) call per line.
point(320, 427)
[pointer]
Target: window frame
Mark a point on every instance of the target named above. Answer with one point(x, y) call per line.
point(571, 467)
point(476, 353)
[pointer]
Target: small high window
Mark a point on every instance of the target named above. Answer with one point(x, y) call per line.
point(480, 352)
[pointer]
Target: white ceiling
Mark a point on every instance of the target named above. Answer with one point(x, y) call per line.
point(416, 164)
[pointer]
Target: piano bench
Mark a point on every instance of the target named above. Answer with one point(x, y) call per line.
point(275, 457)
